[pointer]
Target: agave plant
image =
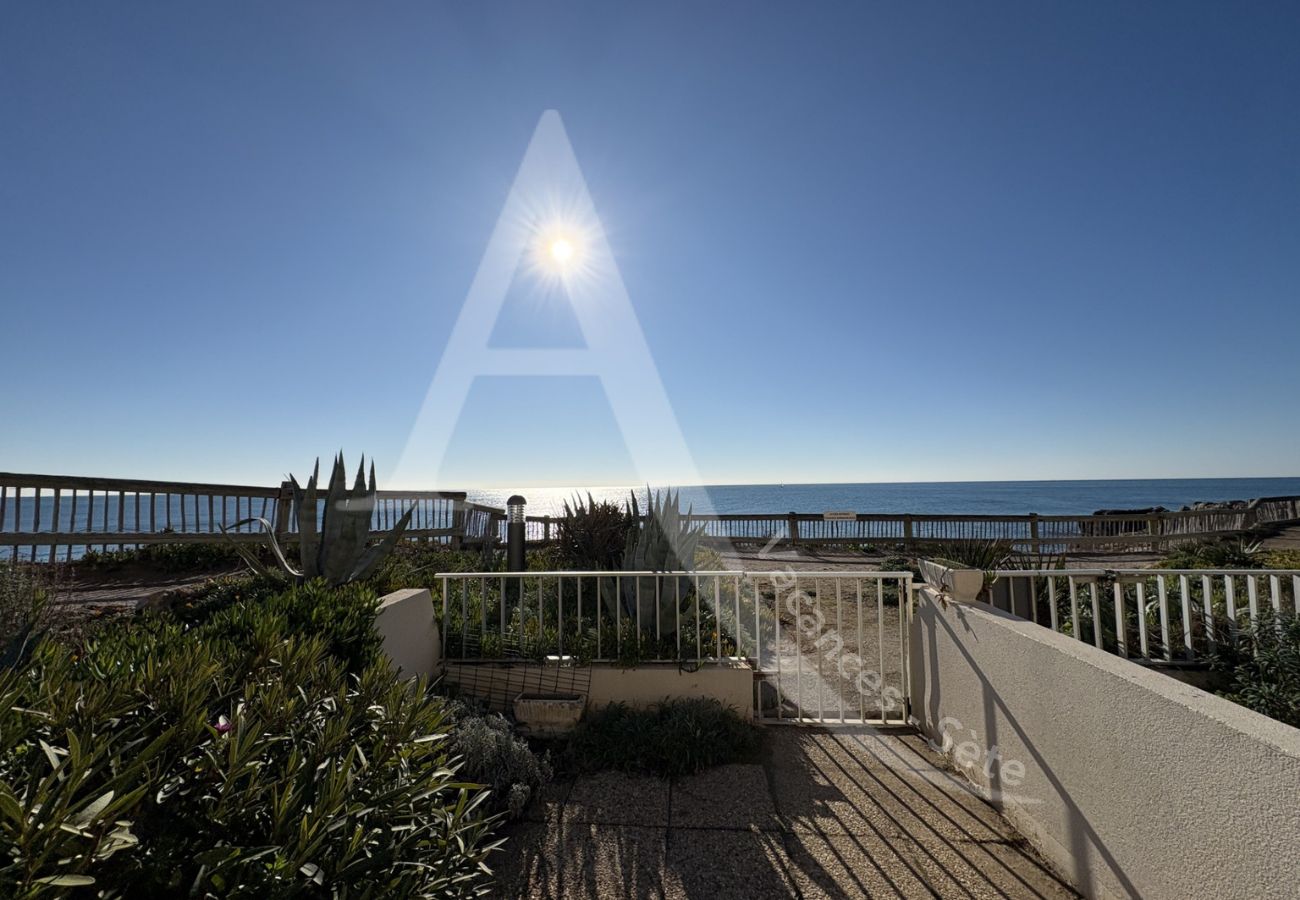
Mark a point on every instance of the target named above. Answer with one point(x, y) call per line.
point(338, 550)
point(665, 542)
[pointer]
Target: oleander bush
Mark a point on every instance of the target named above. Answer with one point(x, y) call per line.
point(253, 749)
point(671, 739)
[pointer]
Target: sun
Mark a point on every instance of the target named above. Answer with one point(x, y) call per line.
point(562, 250)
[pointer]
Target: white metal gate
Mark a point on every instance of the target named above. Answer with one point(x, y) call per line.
point(832, 646)
point(826, 647)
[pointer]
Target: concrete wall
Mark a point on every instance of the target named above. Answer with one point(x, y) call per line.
point(1129, 782)
point(642, 685)
point(410, 634)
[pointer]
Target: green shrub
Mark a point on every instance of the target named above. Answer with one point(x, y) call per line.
point(1282, 559)
point(1215, 553)
point(344, 617)
point(233, 756)
point(899, 564)
point(492, 754)
point(1261, 669)
point(220, 593)
point(593, 535)
point(417, 563)
point(672, 739)
point(186, 557)
point(25, 593)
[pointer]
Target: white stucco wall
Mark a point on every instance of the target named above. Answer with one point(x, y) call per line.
point(1129, 782)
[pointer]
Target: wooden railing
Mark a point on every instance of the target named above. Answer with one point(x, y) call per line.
point(1032, 533)
point(45, 517)
point(51, 517)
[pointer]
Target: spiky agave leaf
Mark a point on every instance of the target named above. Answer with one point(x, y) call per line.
point(372, 556)
point(247, 555)
point(344, 512)
point(307, 508)
point(360, 515)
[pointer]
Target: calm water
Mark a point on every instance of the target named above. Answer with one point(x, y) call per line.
point(973, 497)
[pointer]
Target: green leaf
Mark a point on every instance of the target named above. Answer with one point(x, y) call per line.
point(67, 880)
point(92, 810)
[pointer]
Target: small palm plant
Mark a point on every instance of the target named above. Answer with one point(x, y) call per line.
point(339, 549)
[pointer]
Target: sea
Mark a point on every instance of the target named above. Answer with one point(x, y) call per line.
point(958, 497)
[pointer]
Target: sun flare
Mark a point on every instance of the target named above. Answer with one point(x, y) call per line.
point(562, 250)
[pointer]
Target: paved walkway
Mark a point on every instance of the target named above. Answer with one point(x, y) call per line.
point(849, 812)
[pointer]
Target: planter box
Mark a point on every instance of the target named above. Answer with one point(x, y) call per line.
point(548, 715)
point(948, 578)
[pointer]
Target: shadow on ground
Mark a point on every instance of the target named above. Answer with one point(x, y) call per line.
point(850, 812)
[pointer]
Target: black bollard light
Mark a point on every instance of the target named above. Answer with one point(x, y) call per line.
point(516, 533)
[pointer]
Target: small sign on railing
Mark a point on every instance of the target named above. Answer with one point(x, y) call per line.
point(840, 515)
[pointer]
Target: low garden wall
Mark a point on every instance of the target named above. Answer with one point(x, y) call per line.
point(406, 625)
point(1129, 782)
point(405, 621)
point(731, 683)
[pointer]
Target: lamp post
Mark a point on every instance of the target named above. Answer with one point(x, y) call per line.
point(516, 533)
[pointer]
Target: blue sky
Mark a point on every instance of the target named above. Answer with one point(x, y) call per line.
point(865, 243)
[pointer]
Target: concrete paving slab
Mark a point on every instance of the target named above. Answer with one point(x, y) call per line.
point(854, 865)
point(734, 796)
point(528, 864)
point(728, 865)
point(615, 798)
point(908, 781)
point(601, 861)
point(585, 862)
point(813, 793)
point(985, 870)
point(549, 802)
point(863, 779)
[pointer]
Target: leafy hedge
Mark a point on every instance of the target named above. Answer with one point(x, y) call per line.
point(671, 739)
point(249, 748)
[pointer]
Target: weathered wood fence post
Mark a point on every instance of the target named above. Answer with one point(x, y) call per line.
point(457, 524)
point(284, 509)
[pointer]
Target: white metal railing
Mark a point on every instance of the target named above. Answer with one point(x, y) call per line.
point(1148, 614)
point(826, 646)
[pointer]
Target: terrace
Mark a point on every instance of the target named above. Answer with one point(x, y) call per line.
point(900, 748)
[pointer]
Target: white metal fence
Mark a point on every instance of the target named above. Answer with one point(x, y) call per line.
point(825, 646)
point(1151, 614)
